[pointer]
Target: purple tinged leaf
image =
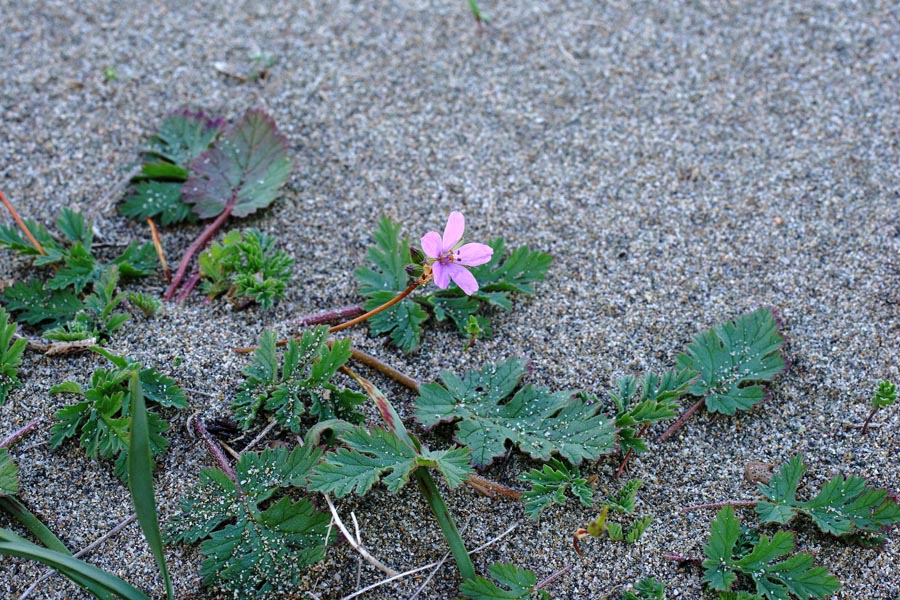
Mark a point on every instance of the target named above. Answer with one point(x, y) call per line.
point(243, 170)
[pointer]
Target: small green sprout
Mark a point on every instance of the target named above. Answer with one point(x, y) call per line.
point(885, 395)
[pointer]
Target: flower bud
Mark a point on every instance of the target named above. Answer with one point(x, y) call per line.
point(416, 255)
point(415, 270)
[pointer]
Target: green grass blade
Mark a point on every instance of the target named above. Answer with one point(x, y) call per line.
point(140, 480)
point(28, 520)
point(98, 582)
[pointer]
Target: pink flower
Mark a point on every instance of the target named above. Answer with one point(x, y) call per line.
point(450, 262)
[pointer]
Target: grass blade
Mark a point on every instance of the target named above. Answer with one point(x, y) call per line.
point(28, 520)
point(140, 480)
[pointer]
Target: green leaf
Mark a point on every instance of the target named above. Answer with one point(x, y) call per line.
point(10, 355)
point(162, 170)
point(183, 136)
point(138, 260)
point(11, 237)
point(646, 589)
point(549, 485)
point(79, 270)
point(157, 199)
point(72, 225)
point(149, 306)
point(140, 479)
point(844, 506)
point(34, 304)
point(102, 421)
point(624, 501)
point(520, 584)
point(489, 410)
point(244, 168)
point(885, 395)
point(251, 551)
point(301, 386)
point(637, 529)
point(98, 582)
point(775, 579)
point(246, 264)
point(369, 455)
point(658, 401)
point(9, 474)
point(732, 359)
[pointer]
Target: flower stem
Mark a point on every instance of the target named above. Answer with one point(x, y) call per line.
point(374, 363)
point(18, 434)
point(21, 224)
point(195, 247)
point(445, 521)
point(681, 420)
point(375, 311)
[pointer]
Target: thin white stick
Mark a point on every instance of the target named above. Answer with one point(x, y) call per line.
point(356, 546)
point(83, 552)
point(360, 542)
point(261, 435)
point(430, 565)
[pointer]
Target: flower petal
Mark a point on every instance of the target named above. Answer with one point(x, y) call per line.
point(473, 254)
point(441, 276)
point(431, 244)
point(461, 277)
point(453, 232)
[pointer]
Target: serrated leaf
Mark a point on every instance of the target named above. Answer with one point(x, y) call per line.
point(300, 386)
point(646, 589)
point(774, 580)
point(79, 269)
point(637, 529)
point(402, 322)
point(34, 304)
point(11, 237)
point(244, 169)
point(138, 260)
point(183, 136)
point(625, 499)
point(72, 225)
point(163, 170)
point(549, 486)
point(489, 412)
point(157, 199)
point(369, 455)
point(519, 584)
point(885, 395)
point(454, 464)
point(9, 475)
point(10, 355)
point(732, 358)
point(844, 506)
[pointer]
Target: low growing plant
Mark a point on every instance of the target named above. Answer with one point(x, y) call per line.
point(885, 395)
point(102, 420)
point(622, 503)
point(646, 589)
point(10, 355)
point(518, 584)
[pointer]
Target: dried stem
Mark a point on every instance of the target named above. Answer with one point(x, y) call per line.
point(15, 436)
point(492, 489)
point(157, 245)
point(628, 454)
point(261, 435)
point(717, 505)
point(329, 316)
point(545, 582)
point(195, 247)
point(681, 420)
point(83, 552)
point(683, 559)
point(384, 368)
point(375, 311)
point(21, 224)
point(213, 447)
point(356, 545)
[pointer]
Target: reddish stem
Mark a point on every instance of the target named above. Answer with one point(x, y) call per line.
point(628, 454)
point(377, 310)
point(384, 368)
point(188, 287)
point(865, 426)
point(328, 316)
point(681, 420)
point(544, 583)
point(15, 436)
point(214, 449)
point(717, 505)
point(196, 246)
point(21, 224)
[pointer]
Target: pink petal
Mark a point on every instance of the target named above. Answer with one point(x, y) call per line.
point(453, 232)
point(441, 275)
point(431, 244)
point(461, 277)
point(473, 255)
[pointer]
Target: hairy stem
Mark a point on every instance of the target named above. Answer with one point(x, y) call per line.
point(375, 311)
point(445, 521)
point(21, 224)
point(328, 316)
point(628, 454)
point(681, 420)
point(718, 505)
point(18, 434)
point(865, 426)
point(196, 246)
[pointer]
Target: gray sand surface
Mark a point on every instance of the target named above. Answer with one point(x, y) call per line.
point(684, 162)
